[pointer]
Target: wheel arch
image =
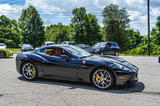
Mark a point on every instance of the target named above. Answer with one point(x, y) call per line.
point(3, 52)
point(26, 61)
point(102, 67)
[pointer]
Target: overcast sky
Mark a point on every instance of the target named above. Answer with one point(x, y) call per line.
point(55, 11)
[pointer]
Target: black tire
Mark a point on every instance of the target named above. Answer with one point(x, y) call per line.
point(29, 71)
point(116, 54)
point(108, 79)
point(2, 54)
point(102, 53)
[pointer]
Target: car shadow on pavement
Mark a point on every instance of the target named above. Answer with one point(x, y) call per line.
point(7, 58)
point(119, 89)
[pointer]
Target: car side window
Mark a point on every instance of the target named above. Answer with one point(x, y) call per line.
point(56, 52)
point(42, 51)
point(108, 45)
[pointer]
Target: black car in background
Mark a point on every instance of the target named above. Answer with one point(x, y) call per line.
point(105, 48)
point(27, 47)
point(83, 46)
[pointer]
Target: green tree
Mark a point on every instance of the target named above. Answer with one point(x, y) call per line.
point(87, 29)
point(9, 33)
point(156, 32)
point(134, 38)
point(116, 22)
point(58, 33)
point(32, 27)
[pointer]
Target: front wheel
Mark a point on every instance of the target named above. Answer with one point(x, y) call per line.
point(2, 54)
point(29, 71)
point(102, 53)
point(103, 79)
point(117, 54)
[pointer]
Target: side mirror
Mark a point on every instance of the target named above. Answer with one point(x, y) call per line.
point(63, 56)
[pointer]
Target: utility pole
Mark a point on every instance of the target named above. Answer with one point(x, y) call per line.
point(148, 8)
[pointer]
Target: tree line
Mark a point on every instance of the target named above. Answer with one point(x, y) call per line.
point(83, 28)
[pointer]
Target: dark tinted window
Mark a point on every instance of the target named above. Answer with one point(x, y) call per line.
point(71, 43)
point(113, 44)
point(43, 50)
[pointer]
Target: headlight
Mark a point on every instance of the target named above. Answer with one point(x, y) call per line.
point(122, 67)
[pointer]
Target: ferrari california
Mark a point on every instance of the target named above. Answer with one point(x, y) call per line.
point(69, 62)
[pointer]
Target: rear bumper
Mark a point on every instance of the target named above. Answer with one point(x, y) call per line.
point(125, 78)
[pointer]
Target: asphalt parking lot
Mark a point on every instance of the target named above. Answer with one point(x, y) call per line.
point(15, 91)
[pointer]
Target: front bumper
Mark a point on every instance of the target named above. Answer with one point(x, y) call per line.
point(9, 54)
point(123, 78)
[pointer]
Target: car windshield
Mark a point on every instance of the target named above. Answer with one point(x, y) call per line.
point(96, 45)
point(71, 43)
point(114, 44)
point(103, 44)
point(81, 45)
point(77, 51)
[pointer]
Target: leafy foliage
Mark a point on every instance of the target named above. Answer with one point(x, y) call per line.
point(9, 33)
point(32, 27)
point(142, 50)
point(116, 22)
point(87, 29)
point(58, 33)
point(156, 32)
point(134, 38)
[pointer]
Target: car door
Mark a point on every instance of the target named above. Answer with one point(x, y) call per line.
point(61, 67)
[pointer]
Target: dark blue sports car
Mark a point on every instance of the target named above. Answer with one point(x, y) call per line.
point(68, 62)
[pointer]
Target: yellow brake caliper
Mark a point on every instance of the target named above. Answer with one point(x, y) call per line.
point(33, 71)
point(97, 80)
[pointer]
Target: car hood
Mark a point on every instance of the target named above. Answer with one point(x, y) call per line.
point(107, 60)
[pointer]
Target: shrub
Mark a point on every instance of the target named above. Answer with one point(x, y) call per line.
point(143, 50)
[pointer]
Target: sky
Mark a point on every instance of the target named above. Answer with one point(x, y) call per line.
point(55, 11)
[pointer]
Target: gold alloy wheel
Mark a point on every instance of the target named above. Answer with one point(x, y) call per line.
point(102, 79)
point(29, 71)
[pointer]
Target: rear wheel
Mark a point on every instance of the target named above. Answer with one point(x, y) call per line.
point(102, 53)
point(117, 53)
point(2, 54)
point(29, 71)
point(103, 79)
